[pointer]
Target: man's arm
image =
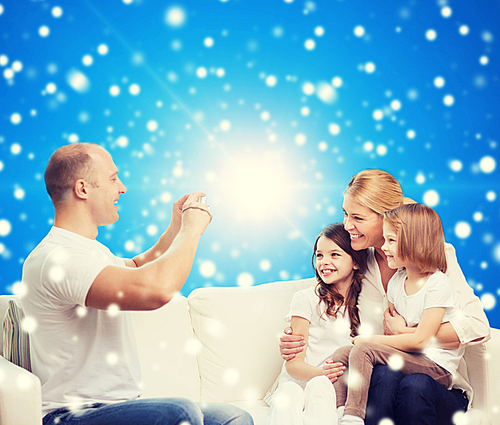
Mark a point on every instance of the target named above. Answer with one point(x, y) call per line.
point(160, 272)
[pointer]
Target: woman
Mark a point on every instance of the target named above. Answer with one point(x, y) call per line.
point(416, 398)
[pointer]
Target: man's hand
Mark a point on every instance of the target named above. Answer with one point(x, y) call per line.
point(195, 215)
point(333, 370)
point(290, 344)
point(394, 324)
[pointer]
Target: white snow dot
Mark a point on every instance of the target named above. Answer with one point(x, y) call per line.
point(264, 116)
point(8, 74)
point(73, 138)
point(114, 90)
point(456, 165)
point(431, 198)
point(19, 193)
point(489, 301)
point(1, 9)
point(152, 230)
point(381, 150)
point(310, 44)
point(271, 80)
point(446, 12)
point(113, 310)
point(478, 216)
point(15, 148)
point(15, 118)
point(359, 31)
point(396, 105)
point(463, 30)
point(411, 134)
point(323, 146)
point(305, 111)
point(225, 125)
point(152, 125)
point(122, 141)
point(326, 92)
point(51, 88)
point(245, 279)
point(368, 146)
point(175, 16)
point(112, 358)
point(395, 362)
point(431, 35)
point(134, 89)
point(308, 88)
point(448, 100)
point(17, 66)
point(4, 60)
point(57, 12)
point(487, 36)
point(334, 129)
point(220, 72)
point(370, 67)
point(87, 60)
point(319, 31)
point(484, 60)
point(78, 81)
point(208, 42)
point(487, 164)
point(166, 197)
point(265, 265)
point(231, 377)
point(102, 49)
point(193, 346)
point(439, 82)
point(208, 268)
point(129, 246)
point(378, 114)
point(300, 139)
point(462, 230)
point(5, 227)
point(201, 72)
point(43, 31)
point(29, 324)
point(491, 196)
point(420, 179)
point(337, 82)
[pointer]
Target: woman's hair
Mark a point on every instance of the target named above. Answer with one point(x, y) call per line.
point(420, 236)
point(329, 293)
point(377, 190)
point(66, 165)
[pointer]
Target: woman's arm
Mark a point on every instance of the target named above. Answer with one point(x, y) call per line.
point(297, 367)
point(415, 341)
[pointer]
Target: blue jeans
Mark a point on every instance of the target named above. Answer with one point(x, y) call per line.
point(415, 399)
point(160, 411)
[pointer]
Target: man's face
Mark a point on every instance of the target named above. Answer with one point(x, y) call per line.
point(103, 199)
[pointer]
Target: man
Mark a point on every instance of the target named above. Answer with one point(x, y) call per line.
point(83, 349)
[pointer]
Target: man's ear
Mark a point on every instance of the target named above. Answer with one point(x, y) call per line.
point(80, 189)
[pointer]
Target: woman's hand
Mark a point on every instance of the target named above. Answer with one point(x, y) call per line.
point(290, 344)
point(361, 339)
point(333, 370)
point(394, 324)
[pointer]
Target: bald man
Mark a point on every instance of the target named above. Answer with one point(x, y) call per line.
point(72, 280)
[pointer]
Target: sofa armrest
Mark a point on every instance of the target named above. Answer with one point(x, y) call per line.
point(20, 395)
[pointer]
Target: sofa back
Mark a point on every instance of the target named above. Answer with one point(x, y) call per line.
point(238, 328)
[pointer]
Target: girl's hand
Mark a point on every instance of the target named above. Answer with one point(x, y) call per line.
point(290, 344)
point(333, 370)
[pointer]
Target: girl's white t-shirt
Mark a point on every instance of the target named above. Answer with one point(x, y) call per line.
point(436, 292)
point(326, 333)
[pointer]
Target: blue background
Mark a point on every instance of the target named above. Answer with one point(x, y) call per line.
point(269, 106)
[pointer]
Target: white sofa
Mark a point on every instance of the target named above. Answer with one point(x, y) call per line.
point(221, 345)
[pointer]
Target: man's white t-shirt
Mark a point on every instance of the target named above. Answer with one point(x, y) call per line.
point(81, 355)
point(326, 333)
point(437, 291)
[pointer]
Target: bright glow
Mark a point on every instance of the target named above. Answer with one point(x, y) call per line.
point(463, 30)
point(207, 268)
point(359, 31)
point(208, 42)
point(448, 100)
point(102, 49)
point(439, 82)
point(431, 198)
point(87, 60)
point(271, 80)
point(114, 90)
point(44, 31)
point(5, 227)
point(487, 164)
point(15, 118)
point(370, 67)
point(463, 229)
point(310, 44)
point(57, 12)
point(78, 81)
point(258, 187)
point(431, 35)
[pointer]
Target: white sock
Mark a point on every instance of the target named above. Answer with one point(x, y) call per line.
point(340, 411)
point(351, 420)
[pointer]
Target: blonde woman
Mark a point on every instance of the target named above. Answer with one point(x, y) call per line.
point(415, 398)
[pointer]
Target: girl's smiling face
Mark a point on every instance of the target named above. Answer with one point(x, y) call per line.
point(390, 248)
point(363, 224)
point(332, 263)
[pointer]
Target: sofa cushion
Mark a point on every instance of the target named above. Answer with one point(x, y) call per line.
point(238, 328)
point(16, 344)
point(167, 351)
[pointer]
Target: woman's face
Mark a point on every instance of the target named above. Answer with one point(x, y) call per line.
point(363, 224)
